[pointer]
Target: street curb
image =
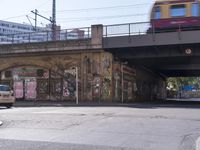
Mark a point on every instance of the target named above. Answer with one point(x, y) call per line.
point(1, 123)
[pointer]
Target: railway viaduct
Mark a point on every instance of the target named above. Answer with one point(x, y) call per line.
point(99, 69)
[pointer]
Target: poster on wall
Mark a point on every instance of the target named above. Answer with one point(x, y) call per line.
point(30, 88)
point(18, 89)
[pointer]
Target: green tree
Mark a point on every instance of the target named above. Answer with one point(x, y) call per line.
point(176, 83)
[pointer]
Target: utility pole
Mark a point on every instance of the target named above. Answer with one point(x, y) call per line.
point(36, 14)
point(54, 19)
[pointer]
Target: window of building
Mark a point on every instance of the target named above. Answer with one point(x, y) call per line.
point(195, 9)
point(178, 10)
point(157, 13)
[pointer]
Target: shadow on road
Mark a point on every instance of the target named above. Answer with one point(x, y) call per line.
point(2, 108)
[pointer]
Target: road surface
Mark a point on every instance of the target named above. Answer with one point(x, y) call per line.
point(139, 127)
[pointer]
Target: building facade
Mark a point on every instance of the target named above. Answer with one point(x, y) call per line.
point(16, 32)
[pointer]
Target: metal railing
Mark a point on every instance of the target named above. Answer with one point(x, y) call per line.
point(143, 28)
point(44, 36)
point(126, 29)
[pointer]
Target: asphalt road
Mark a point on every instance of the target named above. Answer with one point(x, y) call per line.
point(140, 127)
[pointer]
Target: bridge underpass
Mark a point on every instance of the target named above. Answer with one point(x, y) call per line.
point(169, 54)
point(169, 61)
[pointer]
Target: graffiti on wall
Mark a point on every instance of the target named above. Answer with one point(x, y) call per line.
point(96, 67)
point(42, 86)
point(18, 89)
point(116, 85)
point(88, 77)
point(106, 87)
point(88, 64)
point(96, 79)
point(56, 86)
point(30, 88)
point(69, 83)
point(130, 90)
point(106, 65)
point(98, 71)
point(107, 74)
point(96, 87)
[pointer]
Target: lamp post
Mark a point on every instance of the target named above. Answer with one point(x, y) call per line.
point(122, 82)
point(76, 69)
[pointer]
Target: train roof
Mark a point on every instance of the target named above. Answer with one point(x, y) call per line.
point(158, 2)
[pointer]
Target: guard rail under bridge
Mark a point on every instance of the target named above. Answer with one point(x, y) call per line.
point(170, 53)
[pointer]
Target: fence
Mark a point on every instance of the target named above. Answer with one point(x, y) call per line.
point(126, 29)
point(44, 36)
point(144, 28)
point(85, 33)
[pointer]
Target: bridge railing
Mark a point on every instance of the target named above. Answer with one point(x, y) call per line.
point(44, 36)
point(126, 29)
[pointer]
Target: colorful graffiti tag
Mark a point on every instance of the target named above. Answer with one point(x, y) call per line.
point(69, 83)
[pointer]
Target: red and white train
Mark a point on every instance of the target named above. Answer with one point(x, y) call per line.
point(170, 15)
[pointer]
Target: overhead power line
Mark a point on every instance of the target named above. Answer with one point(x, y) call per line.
point(25, 15)
point(20, 16)
point(100, 17)
point(99, 8)
point(44, 3)
point(91, 9)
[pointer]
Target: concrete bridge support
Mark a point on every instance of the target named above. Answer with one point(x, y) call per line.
point(151, 86)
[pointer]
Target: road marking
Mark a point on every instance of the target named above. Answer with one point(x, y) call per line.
point(1, 123)
point(198, 144)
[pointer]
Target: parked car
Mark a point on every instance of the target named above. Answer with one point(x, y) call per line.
point(7, 98)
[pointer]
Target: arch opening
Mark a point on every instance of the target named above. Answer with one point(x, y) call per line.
point(30, 82)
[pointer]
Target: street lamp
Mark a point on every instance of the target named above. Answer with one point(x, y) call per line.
point(76, 68)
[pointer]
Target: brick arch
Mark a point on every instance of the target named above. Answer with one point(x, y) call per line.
point(19, 62)
point(55, 64)
point(12, 67)
point(46, 62)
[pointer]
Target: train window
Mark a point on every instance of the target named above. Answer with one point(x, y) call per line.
point(157, 13)
point(195, 9)
point(178, 10)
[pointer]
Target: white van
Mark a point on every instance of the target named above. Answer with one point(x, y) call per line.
point(7, 98)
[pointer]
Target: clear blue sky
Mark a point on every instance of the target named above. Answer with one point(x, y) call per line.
point(78, 13)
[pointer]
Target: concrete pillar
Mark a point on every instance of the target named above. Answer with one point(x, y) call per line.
point(97, 36)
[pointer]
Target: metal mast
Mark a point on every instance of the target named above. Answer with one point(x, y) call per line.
point(54, 19)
